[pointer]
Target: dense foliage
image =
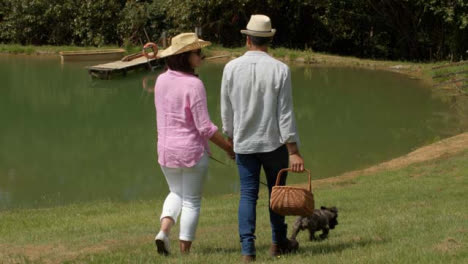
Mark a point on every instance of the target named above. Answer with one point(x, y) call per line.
point(393, 29)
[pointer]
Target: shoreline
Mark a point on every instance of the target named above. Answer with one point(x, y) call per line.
point(441, 149)
point(419, 70)
point(422, 71)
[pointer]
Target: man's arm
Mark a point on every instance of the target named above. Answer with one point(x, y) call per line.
point(227, 114)
point(287, 124)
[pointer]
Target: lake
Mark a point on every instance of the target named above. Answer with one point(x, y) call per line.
point(67, 138)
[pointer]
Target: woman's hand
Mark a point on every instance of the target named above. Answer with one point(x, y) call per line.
point(219, 140)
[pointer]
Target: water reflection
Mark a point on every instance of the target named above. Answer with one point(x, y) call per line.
point(148, 83)
point(5, 198)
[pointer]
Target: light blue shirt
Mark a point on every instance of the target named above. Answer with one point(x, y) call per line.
point(256, 103)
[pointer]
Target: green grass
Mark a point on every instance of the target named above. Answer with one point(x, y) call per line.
point(445, 77)
point(417, 214)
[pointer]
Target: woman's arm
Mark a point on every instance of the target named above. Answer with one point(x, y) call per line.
point(221, 142)
point(201, 118)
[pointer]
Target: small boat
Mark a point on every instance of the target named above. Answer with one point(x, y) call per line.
point(92, 55)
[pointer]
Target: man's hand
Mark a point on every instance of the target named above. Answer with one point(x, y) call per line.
point(296, 162)
point(230, 152)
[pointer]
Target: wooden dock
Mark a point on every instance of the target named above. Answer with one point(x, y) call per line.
point(104, 71)
point(89, 55)
point(121, 67)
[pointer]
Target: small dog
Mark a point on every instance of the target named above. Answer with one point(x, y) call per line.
point(322, 219)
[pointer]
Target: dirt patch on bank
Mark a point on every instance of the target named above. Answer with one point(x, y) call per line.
point(448, 246)
point(444, 148)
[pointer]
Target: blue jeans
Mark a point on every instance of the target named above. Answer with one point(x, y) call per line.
point(249, 166)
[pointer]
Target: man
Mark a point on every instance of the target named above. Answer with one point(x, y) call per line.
point(257, 115)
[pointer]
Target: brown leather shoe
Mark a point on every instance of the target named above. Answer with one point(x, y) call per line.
point(290, 246)
point(248, 259)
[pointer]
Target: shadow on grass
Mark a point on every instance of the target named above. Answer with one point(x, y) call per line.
point(218, 250)
point(322, 248)
point(306, 247)
point(259, 248)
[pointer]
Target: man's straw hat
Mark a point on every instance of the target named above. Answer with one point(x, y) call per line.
point(182, 43)
point(259, 26)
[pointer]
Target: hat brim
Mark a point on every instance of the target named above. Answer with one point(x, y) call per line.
point(258, 33)
point(193, 46)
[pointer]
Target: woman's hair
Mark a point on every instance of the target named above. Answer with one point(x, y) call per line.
point(180, 62)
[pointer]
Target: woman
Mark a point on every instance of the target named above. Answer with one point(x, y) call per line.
point(184, 128)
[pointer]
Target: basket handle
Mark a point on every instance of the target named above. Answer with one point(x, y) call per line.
point(280, 173)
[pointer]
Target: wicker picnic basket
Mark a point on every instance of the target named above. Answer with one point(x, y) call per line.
point(288, 200)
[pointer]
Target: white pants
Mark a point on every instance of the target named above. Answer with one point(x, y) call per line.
point(185, 185)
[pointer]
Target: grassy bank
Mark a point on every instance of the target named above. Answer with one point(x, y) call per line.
point(417, 214)
point(422, 70)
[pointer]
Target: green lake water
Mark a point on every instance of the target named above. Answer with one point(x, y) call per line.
point(66, 138)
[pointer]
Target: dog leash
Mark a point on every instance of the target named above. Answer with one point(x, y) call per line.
point(217, 160)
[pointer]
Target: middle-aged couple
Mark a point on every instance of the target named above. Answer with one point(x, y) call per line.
point(258, 119)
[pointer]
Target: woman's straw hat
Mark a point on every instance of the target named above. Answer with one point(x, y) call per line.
point(259, 26)
point(182, 43)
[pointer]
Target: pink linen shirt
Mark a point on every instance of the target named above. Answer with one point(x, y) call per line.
point(182, 118)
